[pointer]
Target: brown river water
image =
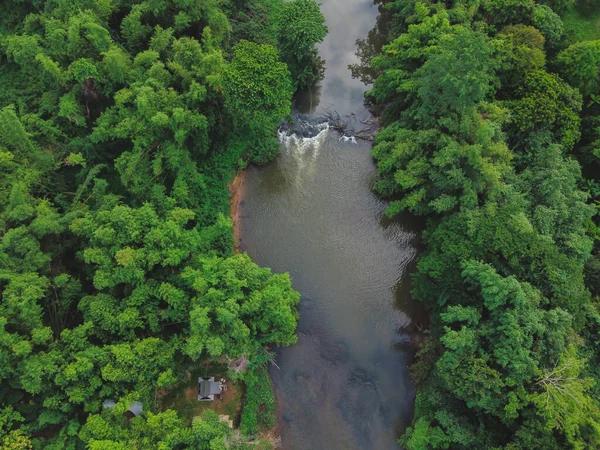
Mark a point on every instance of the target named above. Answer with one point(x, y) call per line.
point(312, 213)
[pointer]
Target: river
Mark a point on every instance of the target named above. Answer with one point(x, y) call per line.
point(311, 213)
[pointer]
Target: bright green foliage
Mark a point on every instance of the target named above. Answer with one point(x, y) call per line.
point(401, 56)
point(580, 65)
point(560, 6)
point(438, 173)
point(564, 400)
point(257, 86)
point(525, 54)
point(111, 430)
point(506, 12)
point(301, 25)
point(457, 75)
point(581, 21)
point(254, 20)
point(548, 22)
point(293, 27)
point(239, 306)
point(479, 146)
point(121, 123)
point(545, 102)
point(259, 412)
point(439, 70)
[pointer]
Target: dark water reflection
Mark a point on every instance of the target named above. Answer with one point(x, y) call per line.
point(348, 21)
point(344, 385)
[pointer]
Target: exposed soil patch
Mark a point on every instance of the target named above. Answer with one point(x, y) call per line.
point(184, 396)
point(236, 189)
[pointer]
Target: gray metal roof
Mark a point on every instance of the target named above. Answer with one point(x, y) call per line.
point(108, 404)
point(136, 408)
point(207, 387)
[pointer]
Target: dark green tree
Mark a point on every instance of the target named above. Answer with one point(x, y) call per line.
point(300, 26)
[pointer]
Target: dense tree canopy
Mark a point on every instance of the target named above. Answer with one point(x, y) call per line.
point(121, 123)
point(482, 103)
point(257, 86)
point(301, 25)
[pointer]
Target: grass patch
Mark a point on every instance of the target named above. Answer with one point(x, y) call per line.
point(259, 411)
point(184, 396)
point(581, 25)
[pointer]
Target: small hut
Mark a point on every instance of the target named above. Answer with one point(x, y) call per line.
point(207, 389)
point(135, 409)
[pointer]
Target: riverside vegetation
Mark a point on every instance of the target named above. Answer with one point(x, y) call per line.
point(121, 123)
point(491, 114)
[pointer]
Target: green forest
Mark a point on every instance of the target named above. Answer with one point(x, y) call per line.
point(491, 115)
point(121, 124)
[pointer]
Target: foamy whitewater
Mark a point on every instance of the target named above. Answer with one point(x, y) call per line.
point(303, 143)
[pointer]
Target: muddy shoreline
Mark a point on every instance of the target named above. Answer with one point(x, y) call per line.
point(236, 188)
point(236, 191)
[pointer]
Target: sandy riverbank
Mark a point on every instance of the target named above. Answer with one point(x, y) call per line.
point(236, 188)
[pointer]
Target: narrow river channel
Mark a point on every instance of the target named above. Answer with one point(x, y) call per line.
point(345, 384)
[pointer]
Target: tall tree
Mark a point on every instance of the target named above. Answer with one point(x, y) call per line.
point(301, 25)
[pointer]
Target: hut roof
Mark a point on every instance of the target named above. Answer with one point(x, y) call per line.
point(207, 388)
